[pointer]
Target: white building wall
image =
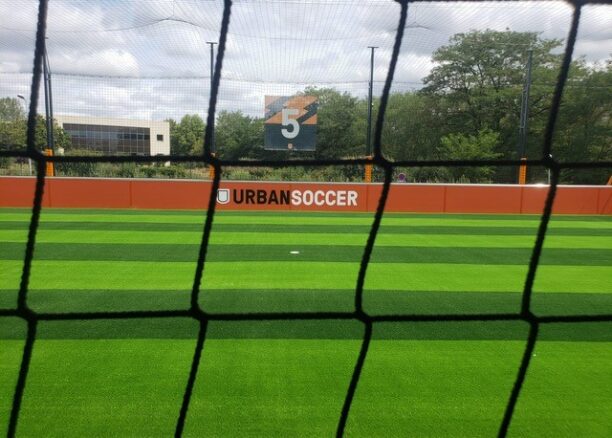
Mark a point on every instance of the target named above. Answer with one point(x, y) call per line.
point(158, 146)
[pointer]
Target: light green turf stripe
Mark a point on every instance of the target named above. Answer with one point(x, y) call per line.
point(306, 275)
point(297, 387)
point(280, 219)
point(229, 238)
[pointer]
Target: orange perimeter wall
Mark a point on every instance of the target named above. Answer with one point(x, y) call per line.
point(181, 194)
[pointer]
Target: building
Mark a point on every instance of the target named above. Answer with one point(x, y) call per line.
point(117, 136)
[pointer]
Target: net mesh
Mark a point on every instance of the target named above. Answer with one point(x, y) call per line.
point(272, 80)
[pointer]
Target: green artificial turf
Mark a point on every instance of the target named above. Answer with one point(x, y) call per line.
point(289, 378)
point(304, 300)
point(286, 387)
point(102, 236)
point(311, 253)
point(117, 275)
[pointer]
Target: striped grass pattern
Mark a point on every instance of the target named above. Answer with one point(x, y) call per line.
point(289, 377)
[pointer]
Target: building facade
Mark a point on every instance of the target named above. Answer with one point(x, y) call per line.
point(117, 136)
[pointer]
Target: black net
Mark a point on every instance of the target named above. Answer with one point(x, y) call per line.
point(275, 80)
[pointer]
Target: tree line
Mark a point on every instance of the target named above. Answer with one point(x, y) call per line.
point(469, 108)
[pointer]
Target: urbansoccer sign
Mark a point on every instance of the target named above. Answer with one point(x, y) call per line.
point(294, 197)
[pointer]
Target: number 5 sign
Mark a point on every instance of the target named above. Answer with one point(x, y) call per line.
point(291, 123)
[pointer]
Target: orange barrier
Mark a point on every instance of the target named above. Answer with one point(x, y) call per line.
point(235, 195)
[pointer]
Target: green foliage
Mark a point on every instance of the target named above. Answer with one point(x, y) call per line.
point(5, 163)
point(11, 110)
point(149, 171)
point(79, 169)
point(478, 80)
point(12, 135)
point(60, 137)
point(127, 170)
point(12, 123)
point(584, 129)
point(238, 174)
point(469, 109)
point(471, 102)
point(493, 60)
point(13, 128)
point(187, 136)
point(477, 83)
point(172, 171)
point(238, 136)
point(407, 131)
point(470, 147)
point(337, 115)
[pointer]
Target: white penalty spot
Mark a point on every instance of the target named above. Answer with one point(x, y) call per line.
point(294, 252)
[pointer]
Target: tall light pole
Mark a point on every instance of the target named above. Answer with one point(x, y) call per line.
point(368, 167)
point(48, 98)
point(25, 104)
point(369, 134)
point(213, 149)
point(524, 121)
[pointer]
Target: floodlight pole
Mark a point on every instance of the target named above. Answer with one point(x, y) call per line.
point(27, 108)
point(369, 134)
point(524, 120)
point(212, 70)
point(368, 167)
point(25, 103)
point(48, 98)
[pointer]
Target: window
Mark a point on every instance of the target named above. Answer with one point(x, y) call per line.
point(110, 139)
point(160, 137)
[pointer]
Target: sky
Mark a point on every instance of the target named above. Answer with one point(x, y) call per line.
point(149, 59)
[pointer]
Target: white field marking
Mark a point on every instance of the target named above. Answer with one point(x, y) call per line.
point(294, 252)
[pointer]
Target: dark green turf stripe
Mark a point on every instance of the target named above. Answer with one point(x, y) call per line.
point(300, 300)
point(331, 229)
point(334, 253)
point(186, 328)
point(375, 303)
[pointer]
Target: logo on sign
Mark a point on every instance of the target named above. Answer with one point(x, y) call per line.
point(223, 196)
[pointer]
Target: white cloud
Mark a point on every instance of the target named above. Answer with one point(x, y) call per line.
point(108, 62)
point(273, 47)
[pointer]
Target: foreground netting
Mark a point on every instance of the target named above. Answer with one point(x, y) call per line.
point(196, 312)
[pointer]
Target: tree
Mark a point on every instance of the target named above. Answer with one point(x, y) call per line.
point(13, 128)
point(11, 110)
point(187, 136)
point(238, 136)
point(478, 80)
point(584, 125)
point(471, 147)
point(12, 123)
point(337, 117)
point(410, 129)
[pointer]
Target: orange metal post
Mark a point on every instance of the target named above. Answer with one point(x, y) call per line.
point(50, 167)
point(211, 169)
point(368, 171)
point(523, 172)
